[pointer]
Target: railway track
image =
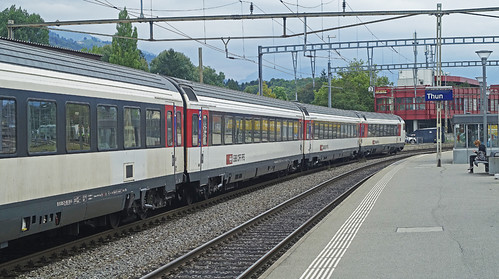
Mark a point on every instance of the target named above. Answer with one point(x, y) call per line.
point(54, 254)
point(248, 249)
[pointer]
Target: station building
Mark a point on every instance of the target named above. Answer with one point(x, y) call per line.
point(408, 101)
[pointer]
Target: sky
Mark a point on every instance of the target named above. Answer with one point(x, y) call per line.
point(245, 51)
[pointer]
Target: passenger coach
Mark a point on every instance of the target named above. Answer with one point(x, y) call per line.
point(235, 136)
point(82, 139)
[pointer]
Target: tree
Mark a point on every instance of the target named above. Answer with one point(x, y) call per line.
point(211, 77)
point(105, 51)
point(124, 51)
point(267, 92)
point(280, 92)
point(253, 89)
point(175, 64)
point(232, 84)
point(306, 93)
point(34, 35)
point(350, 89)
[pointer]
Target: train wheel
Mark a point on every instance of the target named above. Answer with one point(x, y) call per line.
point(206, 192)
point(114, 220)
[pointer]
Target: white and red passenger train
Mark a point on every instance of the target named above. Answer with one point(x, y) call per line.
point(87, 141)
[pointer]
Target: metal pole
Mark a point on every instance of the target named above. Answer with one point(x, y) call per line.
point(260, 71)
point(484, 100)
point(439, 83)
point(200, 53)
point(10, 29)
point(294, 56)
point(329, 84)
point(329, 76)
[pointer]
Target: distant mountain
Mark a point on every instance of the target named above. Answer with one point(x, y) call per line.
point(77, 41)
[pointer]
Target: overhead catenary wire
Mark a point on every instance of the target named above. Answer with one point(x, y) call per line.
point(181, 33)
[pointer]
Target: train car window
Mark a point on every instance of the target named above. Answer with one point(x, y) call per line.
point(190, 93)
point(300, 129)
point(107, 127)
point(77, 127)
point(228, 128)
point(278, 130)
point(329, 131)
point(284, 130)
point(169, 128)
point(272, 130)
point(131, 128)
point(216, 129)
point(8, 126)
point(153, 128)
point(195, 129)
point(309, 130)
point(290, 130)
point(179, 128)
point(296, 130)
point(239, 130)
point(265, 129)
point(248, 130)
point(42, 132)
point(205, 129)
point(316, 130)
point(257, 130)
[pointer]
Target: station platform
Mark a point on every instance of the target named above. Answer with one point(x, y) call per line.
point(411, 220)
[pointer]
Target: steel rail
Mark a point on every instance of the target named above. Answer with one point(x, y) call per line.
point(176, 264)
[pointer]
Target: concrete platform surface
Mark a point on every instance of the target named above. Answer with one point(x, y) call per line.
point(411, 220)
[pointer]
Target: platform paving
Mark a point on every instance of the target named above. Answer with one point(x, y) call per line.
point(411, 220)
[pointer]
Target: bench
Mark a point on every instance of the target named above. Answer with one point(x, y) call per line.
point(485, 162)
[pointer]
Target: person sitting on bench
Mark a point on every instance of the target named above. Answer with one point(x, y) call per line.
point(479, 156)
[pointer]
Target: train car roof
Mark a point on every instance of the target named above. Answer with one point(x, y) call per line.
point(374, 115)
point(205, 90)
point(308, 108)
point(17, 53)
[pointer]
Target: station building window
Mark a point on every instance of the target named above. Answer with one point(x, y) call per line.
point(42, 132)
point(132, 129)
point(107, 127)
point(7, 126)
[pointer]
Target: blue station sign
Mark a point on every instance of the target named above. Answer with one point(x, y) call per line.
point(439, 93)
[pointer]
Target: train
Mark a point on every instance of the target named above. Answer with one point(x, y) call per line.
point(88, 142)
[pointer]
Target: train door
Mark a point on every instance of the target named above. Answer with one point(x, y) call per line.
point(203, 137)
point(171, 155)
point(178, 136)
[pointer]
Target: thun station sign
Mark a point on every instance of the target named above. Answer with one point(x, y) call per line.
point(438, 93)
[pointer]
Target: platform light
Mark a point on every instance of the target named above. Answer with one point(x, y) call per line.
point(484, 55)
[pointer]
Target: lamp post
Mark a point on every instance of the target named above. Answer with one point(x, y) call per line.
point(484, 54)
